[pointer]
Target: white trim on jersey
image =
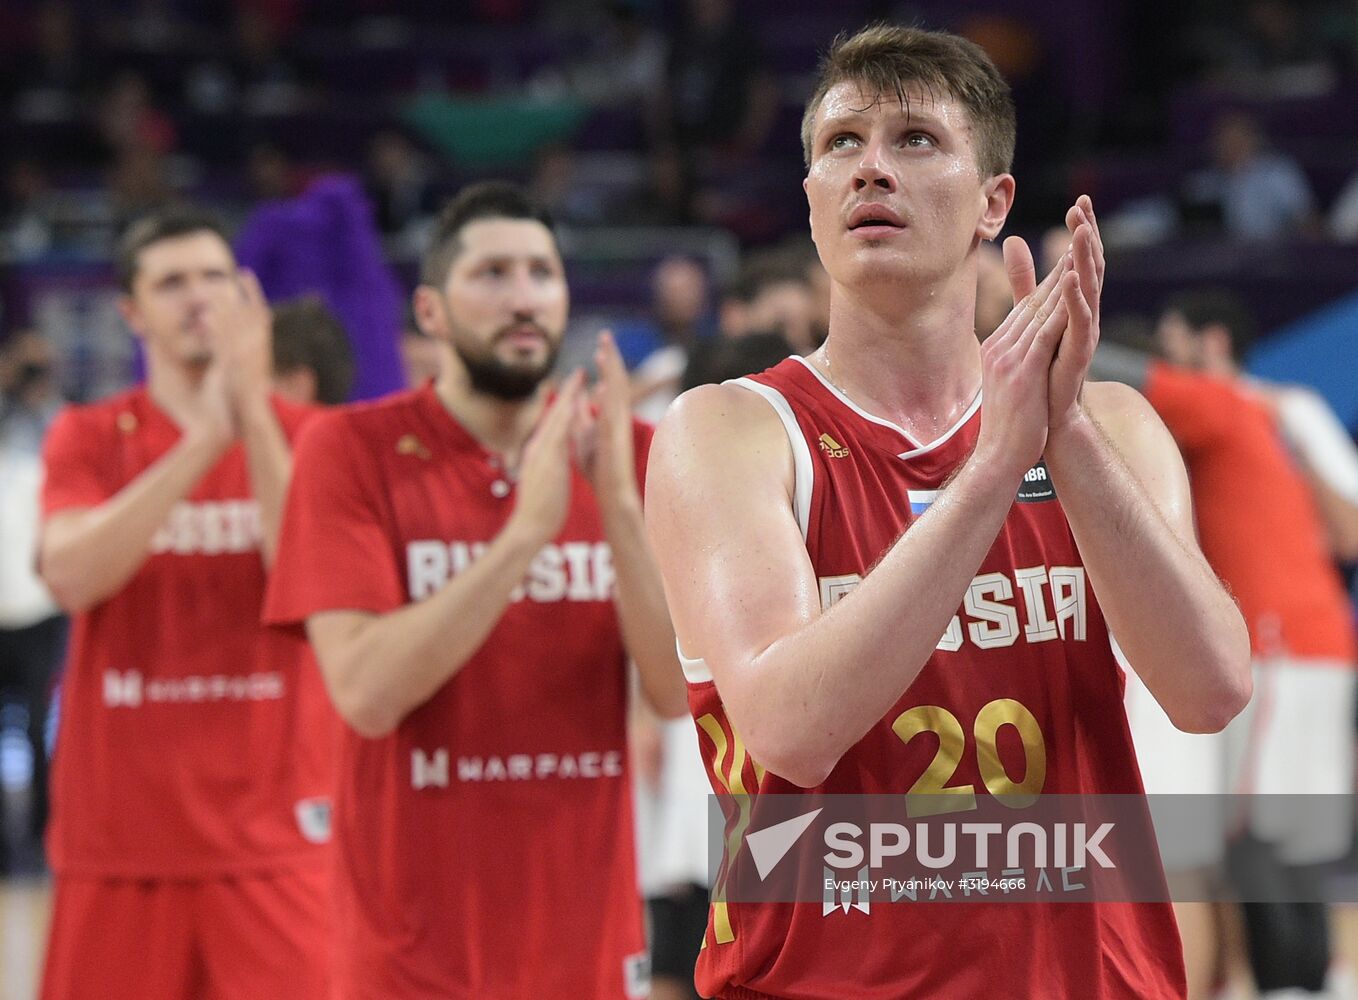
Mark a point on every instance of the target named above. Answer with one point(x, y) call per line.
point(916, 449)
point(695, 671)
point(1118, 654)
point(803, 472)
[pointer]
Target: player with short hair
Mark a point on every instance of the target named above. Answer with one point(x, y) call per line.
point(191, 776)
point(864, 562)
point(472, 598)
point(312, 359)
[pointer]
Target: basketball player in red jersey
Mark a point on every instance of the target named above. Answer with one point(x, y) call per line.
point(473, 599)
point(820, 526)
point(191, 778)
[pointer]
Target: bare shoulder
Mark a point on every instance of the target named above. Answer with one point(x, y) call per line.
point(725, 404)
point(723, 422)
point(1125, 415)
point(1145, 444)
point(719, 451)
point(1115, 401)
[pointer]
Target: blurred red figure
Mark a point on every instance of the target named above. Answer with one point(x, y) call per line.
point(191, 781)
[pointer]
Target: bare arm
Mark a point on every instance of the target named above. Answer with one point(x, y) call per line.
point(643, 614)
point(270, 464)
point(86, 556)
point(605, 449)
point(1125, 493)
point(1123, 487)
point(802, 686)
point(243, 337)
point(380, 667)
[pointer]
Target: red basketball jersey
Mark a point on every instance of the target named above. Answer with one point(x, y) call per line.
point(193, 741)
point(1028, 647)
point(485, 846)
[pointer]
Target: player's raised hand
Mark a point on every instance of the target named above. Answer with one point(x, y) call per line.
point(603, 429)
point(544, 482)
point(1016, 362)
point(242, 331)
point(1076, 351)
point(207, 414)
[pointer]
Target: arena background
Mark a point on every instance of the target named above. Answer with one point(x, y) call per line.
point(323, 131)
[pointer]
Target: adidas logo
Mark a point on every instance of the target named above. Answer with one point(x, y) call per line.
point(411, 445)
point(832, 447)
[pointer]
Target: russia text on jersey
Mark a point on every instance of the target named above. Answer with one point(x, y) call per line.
point(570, 571)
point(992, 610)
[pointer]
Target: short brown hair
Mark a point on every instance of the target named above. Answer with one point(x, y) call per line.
point(163, 224)
point(486, 200)
point(306, 334)
point(886, 59)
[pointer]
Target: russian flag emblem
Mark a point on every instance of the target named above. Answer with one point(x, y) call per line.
point(920, 500)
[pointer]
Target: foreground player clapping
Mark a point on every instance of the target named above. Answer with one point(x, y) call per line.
point(866, 593)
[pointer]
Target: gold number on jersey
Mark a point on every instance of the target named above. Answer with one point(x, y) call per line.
point(933, 782)
point(939, 796)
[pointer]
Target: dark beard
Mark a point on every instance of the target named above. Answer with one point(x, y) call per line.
point(492, 377)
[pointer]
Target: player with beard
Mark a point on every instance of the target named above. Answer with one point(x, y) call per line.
point(472, 596)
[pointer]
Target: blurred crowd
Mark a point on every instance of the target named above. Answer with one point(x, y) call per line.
point(1211, 121)
point(628, 112)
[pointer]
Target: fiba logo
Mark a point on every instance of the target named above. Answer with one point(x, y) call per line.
point(1036, 486)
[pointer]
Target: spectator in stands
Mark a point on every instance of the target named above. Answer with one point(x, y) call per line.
point(664, 198)
point(779, 299)
point(270, 79)
point(401, 184)
point(1257, 193)
point(273, 175)
point(46, 79)
point(1277, 48)
point(1344, 213)
point(27, 229)
point(32, 629)
point(557, 184)
point(718, 97)
point(717, 90)
point(127, 119)
point(680, 319)
point(312, 361)
point(137, 183)
point(625, 59)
